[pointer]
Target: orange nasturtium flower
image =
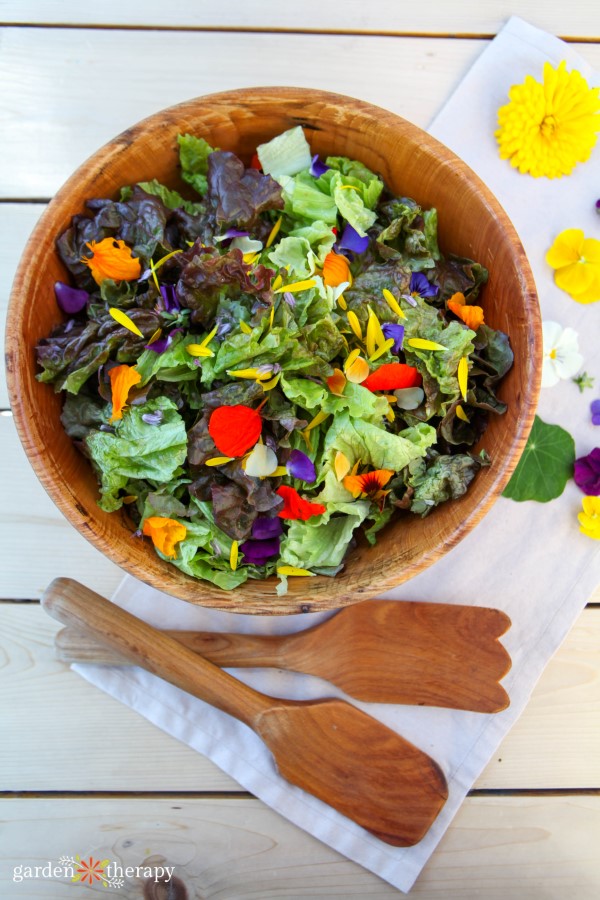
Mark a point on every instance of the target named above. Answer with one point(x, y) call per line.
point(122, 378)
point(336, 269)
point(370, 484)
point(472, 316)
point(111, 259)
point(234, 429)
point(165, 533)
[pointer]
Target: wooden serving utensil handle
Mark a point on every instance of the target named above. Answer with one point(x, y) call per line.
point(73, 604)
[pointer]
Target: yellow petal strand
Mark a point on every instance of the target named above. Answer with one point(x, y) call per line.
point(379, 335)
point(371, 337)
point(245, 327)
point(461, 414)
point(279, 472)
point(250, 258)
point(351, 357)
point(218, 460)
point(269, 385)
point(390, 415)
point(354, 324)
point(233, 555)
point(292, 570)
point(249, 373)
point(306, 437)
point(423, 344)
point(271, 317)
point(277, 282)
point(198, 350)
point(155, 336)
point(124, 320)
point(387, 345)
point(209, 337)
point(341, 300)
point(341, 465)
point(358, 371)
point(154, 276)
point(274, 231)
point(296, 286)
point(320, 417)
point(393, 303)
point(462, 374)
point(163, 259)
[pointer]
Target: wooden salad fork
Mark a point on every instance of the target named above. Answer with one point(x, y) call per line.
point(330, 749)
point(424, 654)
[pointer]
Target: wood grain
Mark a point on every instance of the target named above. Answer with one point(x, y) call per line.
point(73, 719)
point(330, 749)
point(421, 654)
point(429, 17)
point(497, 848)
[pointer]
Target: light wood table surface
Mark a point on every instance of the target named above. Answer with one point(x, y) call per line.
point(79, 771)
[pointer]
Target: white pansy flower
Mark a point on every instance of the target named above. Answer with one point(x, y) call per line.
point(562, 358)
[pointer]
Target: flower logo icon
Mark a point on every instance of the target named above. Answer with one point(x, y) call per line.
point(90, 870)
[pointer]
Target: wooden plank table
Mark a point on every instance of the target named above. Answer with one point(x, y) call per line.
point(78, 769)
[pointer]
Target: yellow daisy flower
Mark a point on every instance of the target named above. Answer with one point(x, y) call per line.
point(548, 128)
point(576, 261)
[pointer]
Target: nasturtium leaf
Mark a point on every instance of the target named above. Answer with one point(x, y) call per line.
point(545, 466)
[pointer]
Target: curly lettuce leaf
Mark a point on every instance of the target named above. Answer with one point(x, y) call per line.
point(443, 478)
point(323, 540)
point(359, 402)
point(193, 159)
point(238, 195)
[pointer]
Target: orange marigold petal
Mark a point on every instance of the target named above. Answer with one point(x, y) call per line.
point(336, 269)
point(369, 483)
point(165, 533)
point(472, 316)
point(337, 382)
point(111, 259)
point(122, 379)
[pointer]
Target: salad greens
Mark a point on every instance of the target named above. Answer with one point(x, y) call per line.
point(265, 370)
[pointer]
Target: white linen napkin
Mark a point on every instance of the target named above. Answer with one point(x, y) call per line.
point(528, 559)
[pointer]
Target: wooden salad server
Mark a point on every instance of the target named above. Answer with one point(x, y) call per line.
point(425, 654)
point(328, 748)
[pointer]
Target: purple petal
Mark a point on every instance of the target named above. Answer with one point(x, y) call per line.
point(256, 553)
point(598, 206)
point(318, 168)
point(230, 234)
point(299, 465)
point(153, 418)
point(169, 296)
point(289, 299)
point(265, 527)
point(420, 285)
point(586, 473)
point(396, 332)
point(70, 300)
point(595, 407)
point(160, 345)
point(351, 240)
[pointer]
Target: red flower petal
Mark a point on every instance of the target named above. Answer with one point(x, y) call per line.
point(295, 506)
point(392, 377)
point(234, 429)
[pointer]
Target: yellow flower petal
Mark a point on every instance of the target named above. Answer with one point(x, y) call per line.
point(575, 279)
point(198, 350)
point(566, 248)
point(165, 533)
point(342, 302)
point(233, 555)
point(296, 286)
point(393, 303)
point(269, 385)
point(341, 465)
point(124, 320)
point(462, 374)
point(354, 324)
point(218, 460)
point(422, 344)
point(292, 570)
point(461, 414)
point(274, 231)
point(320, 417)
point(209, 337)
point(387, 345)
point(245, 327)
point(357, 371)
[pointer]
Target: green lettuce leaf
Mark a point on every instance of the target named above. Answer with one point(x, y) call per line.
point(443, 478)
point(359, 402)
point(137, 450)
point(193, 159)
point(322, 540)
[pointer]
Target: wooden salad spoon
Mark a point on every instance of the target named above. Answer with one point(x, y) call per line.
point(425, 654)
point(329, 748)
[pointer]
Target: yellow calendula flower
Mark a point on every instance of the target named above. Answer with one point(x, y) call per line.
point(576, 261)
point(549, 127)
point(589, 519)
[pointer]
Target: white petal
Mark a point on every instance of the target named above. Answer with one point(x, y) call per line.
point(568, 364)
point(262, 461)
point(246, 244)
point(551, 332)
point(569, 341)
point(409, 398)
point(549, 375)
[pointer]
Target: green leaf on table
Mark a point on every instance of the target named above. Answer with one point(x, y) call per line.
point(545, 466)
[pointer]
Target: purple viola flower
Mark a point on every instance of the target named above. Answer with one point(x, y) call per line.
point(317, 167)
point(70, 300)
point(351, 240)
point(420, 285)
point(153, 418)
point(266, 527)
point(595, 410)
point(170, 299)
point(230, 234)
point(597, 204)
point(396, 332)
point(587, 473)
point(299, 465)
point(256, 553)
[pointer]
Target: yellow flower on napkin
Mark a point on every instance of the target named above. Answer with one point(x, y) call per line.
point(576, 261)
point(589, 519)
point(549, 127)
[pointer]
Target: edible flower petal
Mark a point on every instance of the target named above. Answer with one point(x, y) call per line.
point(234, 429)
point(318, 167)
point(462, 374)
point(274, 232)
point(169, 295)
point(461, 414)
point(341, 465)
point(472, 316)
point(295, 506)
point(165, 533)
point(351, 240)
point(233, 555)
point(111, 259)
point(396, 332)
point(261, 462)
point(123, 319)
point(265, 527)
point(423, 344)
point(561, 356)
point(354, 324)
point(409, 398)
point(301, 466)
point(256, 553)
point(153, 418)
point(356, 369)
point(576, 261)
point(589, 519)
point(336, 269)
point(122, 378)
point(421, 286)
point(547, 128)
point(370, 484)
point(595, 411)
point(586, 473)
point(393, 303)
point(294, 571)
point(71, 300)
point(337, 382)
point(392, 376)
point(296, 286)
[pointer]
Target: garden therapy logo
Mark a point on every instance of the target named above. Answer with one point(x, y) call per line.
point(92, 872)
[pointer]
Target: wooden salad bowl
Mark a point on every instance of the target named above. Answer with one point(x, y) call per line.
point(471, 223)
